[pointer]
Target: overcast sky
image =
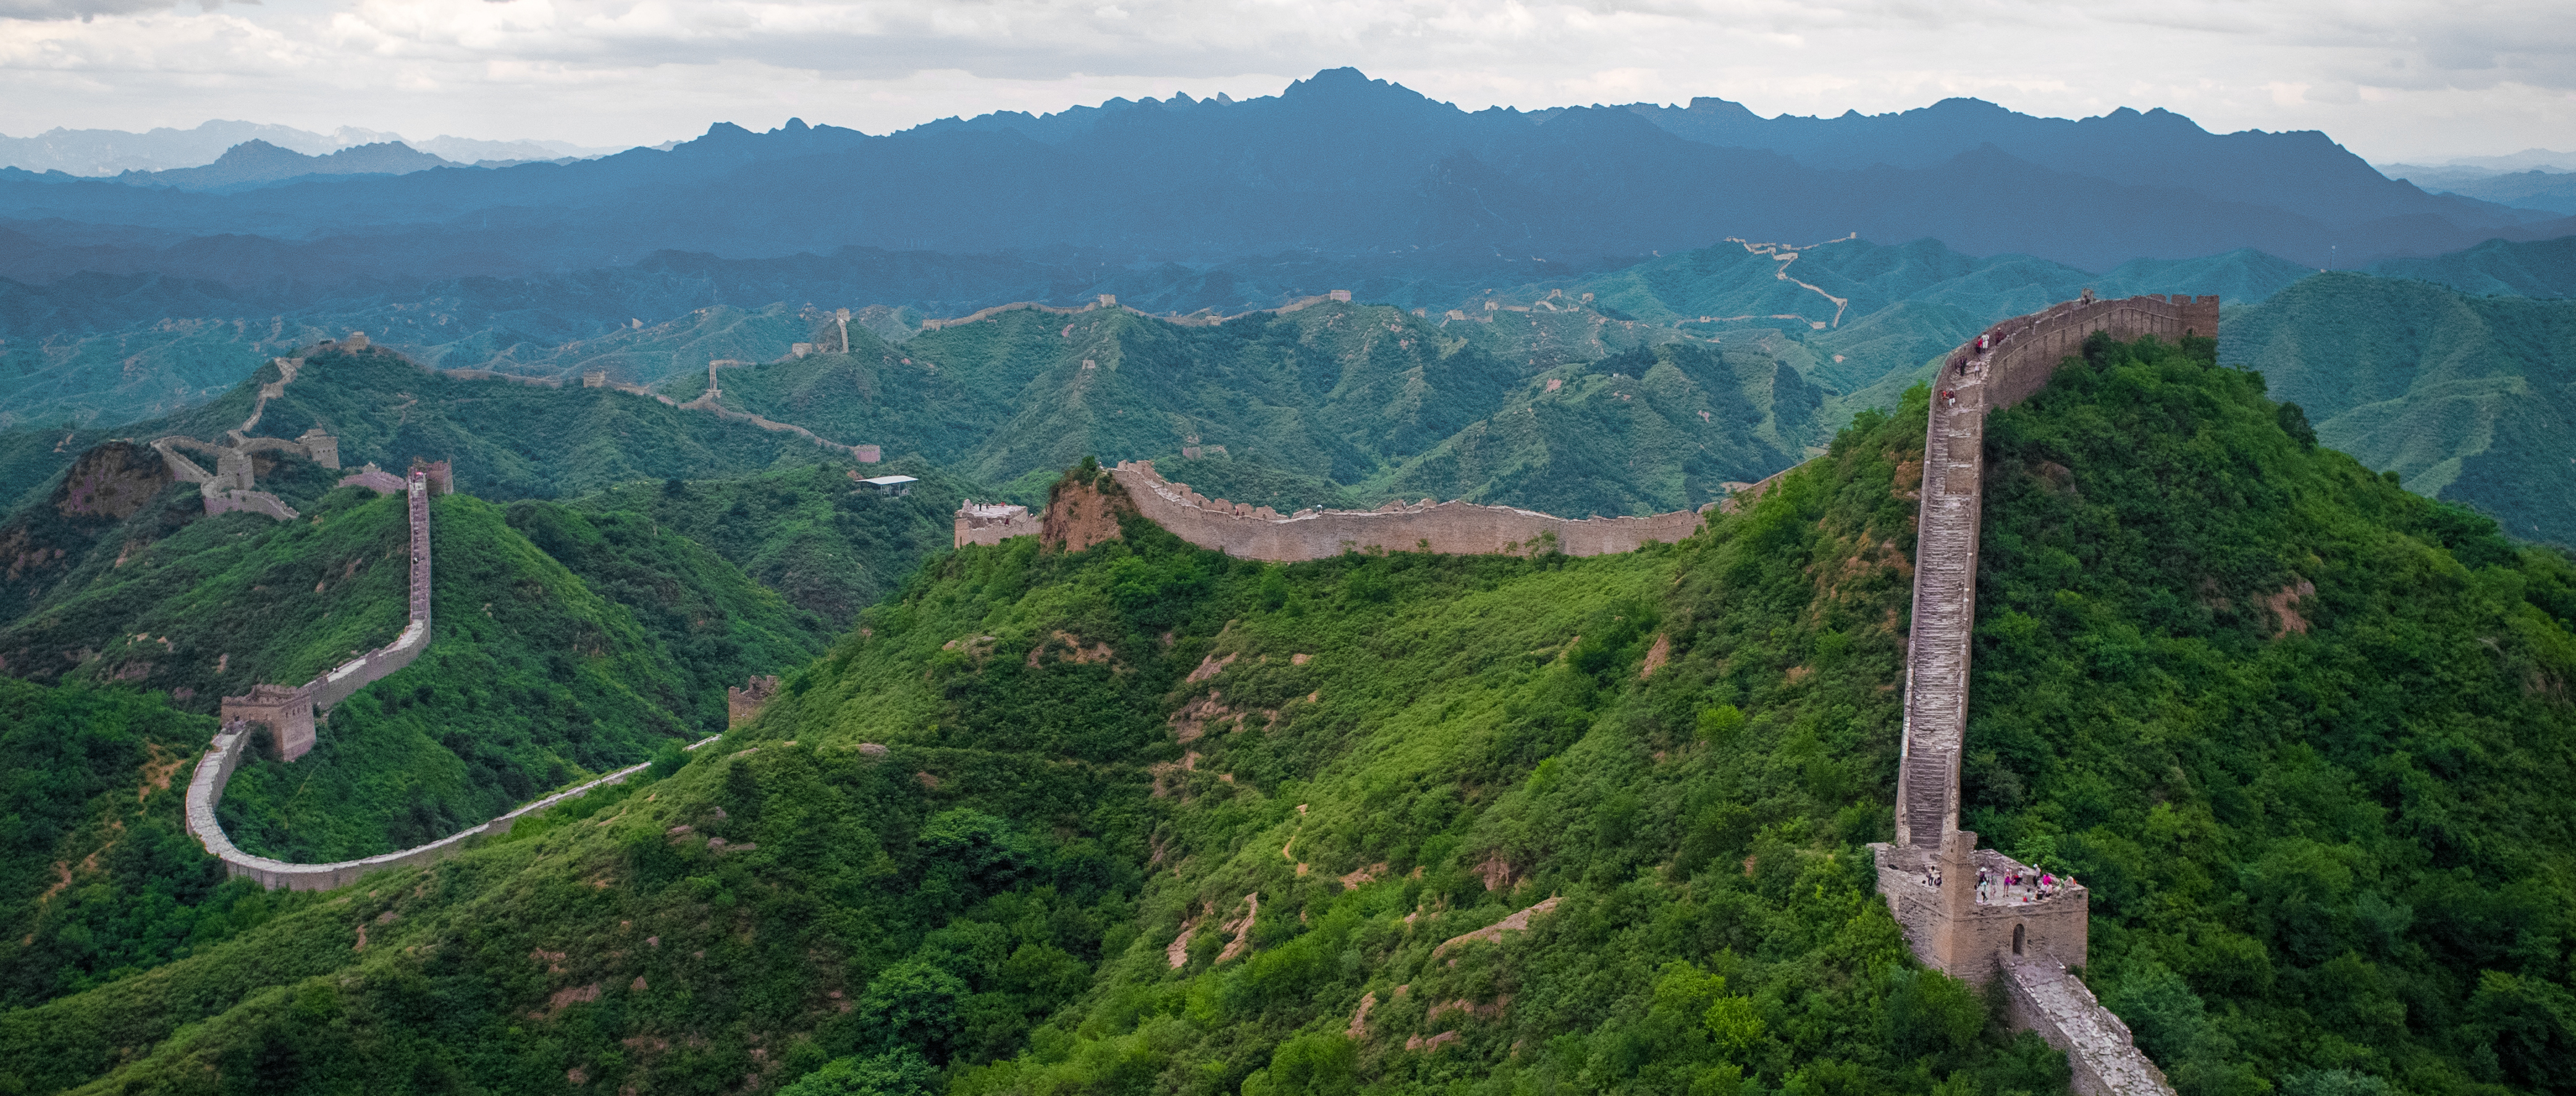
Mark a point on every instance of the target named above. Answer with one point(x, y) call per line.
point(2391, 79)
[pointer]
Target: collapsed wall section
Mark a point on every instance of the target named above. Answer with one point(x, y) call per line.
point(994, 522)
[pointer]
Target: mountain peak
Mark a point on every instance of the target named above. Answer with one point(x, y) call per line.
point(1349, 87)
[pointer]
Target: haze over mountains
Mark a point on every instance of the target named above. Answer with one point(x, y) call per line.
point(113, 152)
point(1341, 164)
point(1848, 250)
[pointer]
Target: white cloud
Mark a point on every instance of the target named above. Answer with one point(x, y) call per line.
point(2390, 79)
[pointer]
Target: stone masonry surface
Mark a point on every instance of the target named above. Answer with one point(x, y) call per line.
point(1459, 528)
point(2041, 996)
point(1950, 928)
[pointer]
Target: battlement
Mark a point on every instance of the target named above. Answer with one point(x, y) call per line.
point(1454, 528)
point(374, 479)
point(439, 477)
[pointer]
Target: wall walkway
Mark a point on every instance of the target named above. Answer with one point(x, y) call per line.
point(282, 708)
point(1459, 528)
point(1948, 926)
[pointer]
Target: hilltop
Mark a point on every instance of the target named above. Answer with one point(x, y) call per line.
point(1145, 816)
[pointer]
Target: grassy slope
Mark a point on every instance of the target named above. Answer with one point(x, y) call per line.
point(823, 544)
point(2467, 398)
point(98, 877)
point(2273, 874)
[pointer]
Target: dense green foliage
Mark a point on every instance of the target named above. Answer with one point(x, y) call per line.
point(1471, 717)
point(1372, 397)
point(2305, 735)
point(825, 544)
point(2468, 399)
point(1146, 818)
point(98, 878)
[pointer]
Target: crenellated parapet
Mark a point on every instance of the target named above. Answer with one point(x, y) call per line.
point(1948, 923)
point(1453, 528)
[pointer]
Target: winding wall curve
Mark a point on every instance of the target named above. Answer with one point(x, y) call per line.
point(215, 770)
point(1460, 528)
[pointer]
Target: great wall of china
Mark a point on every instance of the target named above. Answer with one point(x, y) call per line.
point(1240, 529)
point(1930, 874)
point(289, 716)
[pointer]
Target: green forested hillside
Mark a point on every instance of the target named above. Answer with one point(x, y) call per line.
point(508, 440)
point(1368, 396)
point(569, 640)
point(2540, 268)
point(2470, 399)
point(2301, 732)
point(151, 370)
point(99, 878)
point(533, 677)
point(821, 542)
point(1148, 819)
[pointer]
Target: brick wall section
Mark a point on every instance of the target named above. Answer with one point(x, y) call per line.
point(1950, 930)
point(290, 713)
point(2041, 996)
point(1459, 528)
point(206, 787)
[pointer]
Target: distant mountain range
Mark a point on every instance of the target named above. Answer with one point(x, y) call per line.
point(112, 152)
point(1337, 165)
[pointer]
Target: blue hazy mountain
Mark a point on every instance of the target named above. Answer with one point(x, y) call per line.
point(1338, 164)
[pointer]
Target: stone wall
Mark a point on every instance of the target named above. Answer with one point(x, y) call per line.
point(2041, 995)
point(249, 502)
point(290, 713)
point(1459, 528)
point(374, 479)
point(2031, 346)
point(2033, 945)
point(993, 522)
point(206, 788)
point(230, 487)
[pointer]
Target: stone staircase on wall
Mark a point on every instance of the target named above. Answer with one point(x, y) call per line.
point(1949, 927)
